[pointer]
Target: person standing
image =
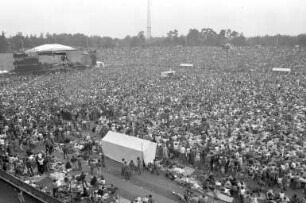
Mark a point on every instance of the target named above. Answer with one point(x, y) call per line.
point(73, 160)
point(123, 167)
point(83, 179)
point(127, 171)
point(55, 189)
point(29, 167)
point(99, 167)
point(92, 166)
point(102, 158)
point(80, 165)
point(165, 154)
point(65, 151)
point(154, 167)
point(183, 154)
point(138, 167)
point(40, 164)
point(21, 197)
point(197, 160)
point(151, 200)
point(132, 166)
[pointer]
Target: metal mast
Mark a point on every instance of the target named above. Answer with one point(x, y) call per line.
point(149, 20)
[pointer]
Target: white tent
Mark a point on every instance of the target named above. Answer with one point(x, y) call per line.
point(166, 74)
point(281, 69)
point(119, 146)
point(50, 48)
point(186, 65)
point(3, 71)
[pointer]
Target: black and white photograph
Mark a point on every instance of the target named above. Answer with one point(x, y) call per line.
point(153, 101)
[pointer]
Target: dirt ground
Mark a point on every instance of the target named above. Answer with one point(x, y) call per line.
point(159, 187)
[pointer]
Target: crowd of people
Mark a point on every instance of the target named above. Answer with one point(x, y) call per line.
point(231, 116)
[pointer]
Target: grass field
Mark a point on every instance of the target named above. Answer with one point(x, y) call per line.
point(6, 62)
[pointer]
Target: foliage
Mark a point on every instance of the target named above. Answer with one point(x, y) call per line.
point(203, 37)
point(3, 43)
point(301, 40)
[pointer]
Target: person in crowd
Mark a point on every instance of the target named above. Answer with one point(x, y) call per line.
point(99, 167)
point(80, 168)
point(94, 181)
point(154, 167)
point(102, 155)
point(151, 199)
point(20, 196)
point(65, 151)
point(92, 166)
point(83, 179)
point(29, 167)
point(55, 188)
point(247, 123)
point(73, 161)
point(127, 171)
point(123, 167)
point(68, 165)
point(132, 166)
point(138, 166)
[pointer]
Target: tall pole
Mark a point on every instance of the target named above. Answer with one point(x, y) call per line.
point(149, 20)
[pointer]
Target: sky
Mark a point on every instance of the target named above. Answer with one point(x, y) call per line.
point(119, 18)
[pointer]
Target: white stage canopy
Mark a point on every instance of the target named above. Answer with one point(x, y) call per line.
point(50, 49)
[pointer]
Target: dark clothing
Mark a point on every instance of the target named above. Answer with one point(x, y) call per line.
point(68, 165)
point(55, 190)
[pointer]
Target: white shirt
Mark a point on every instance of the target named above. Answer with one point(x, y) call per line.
point(182, 150)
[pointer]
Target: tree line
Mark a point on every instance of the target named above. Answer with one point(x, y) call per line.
point(195, 37)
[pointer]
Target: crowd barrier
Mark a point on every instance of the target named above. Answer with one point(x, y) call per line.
point(37, 194)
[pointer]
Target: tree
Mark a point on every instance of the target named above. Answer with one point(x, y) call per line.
point(182, 40)
point(222, 37)
point(17, 41)
point(193, 38)
point(238, 40)
point(141, 37)
point(138, 40)
point(301, 40)
point(107, 42)
point(172, 38)
point(3, 43)
point(228, 34)
point(235, 34)
point(126, 41)
point(208, 37)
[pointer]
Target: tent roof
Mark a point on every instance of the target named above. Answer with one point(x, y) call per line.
point(50, 48)
point(127, 141)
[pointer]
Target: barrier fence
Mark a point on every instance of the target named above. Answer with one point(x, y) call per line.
point(37, 194)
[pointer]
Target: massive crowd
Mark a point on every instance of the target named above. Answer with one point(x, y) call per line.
point(232, 116)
